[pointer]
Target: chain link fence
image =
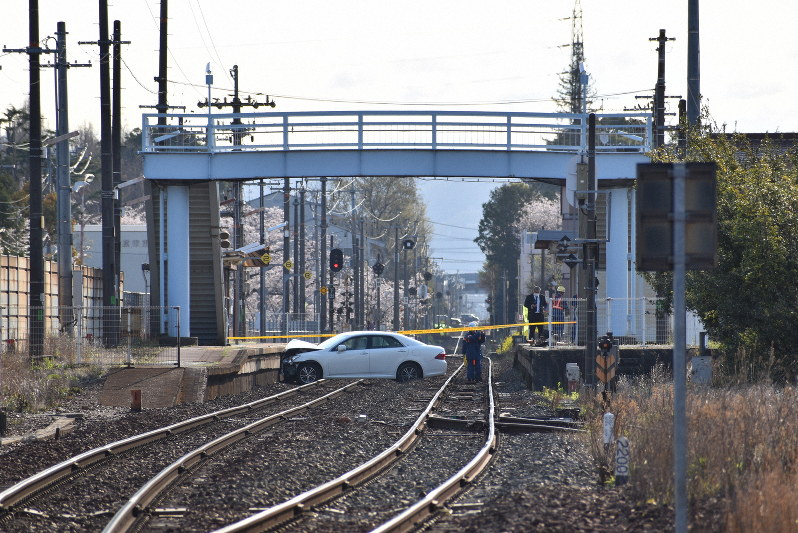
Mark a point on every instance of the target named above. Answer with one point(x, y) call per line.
point(109, 336)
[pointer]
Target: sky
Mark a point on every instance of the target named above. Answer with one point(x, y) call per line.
point(448, 54)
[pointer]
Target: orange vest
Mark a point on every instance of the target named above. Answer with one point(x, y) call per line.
point(556, 303)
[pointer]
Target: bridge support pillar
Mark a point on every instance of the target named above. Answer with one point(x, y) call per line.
point(619, 268)
point(177, 270)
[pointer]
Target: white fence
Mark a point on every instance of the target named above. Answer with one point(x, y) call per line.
point(633, 321)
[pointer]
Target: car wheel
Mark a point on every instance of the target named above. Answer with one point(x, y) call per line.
point(308, 373)
point(408, 371)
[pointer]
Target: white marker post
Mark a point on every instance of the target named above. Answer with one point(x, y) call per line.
point(621, 461)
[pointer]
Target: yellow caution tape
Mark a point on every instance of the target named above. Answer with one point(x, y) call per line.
point(408, 331)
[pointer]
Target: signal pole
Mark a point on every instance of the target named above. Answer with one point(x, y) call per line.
point(323, 262)
point(591, 249)
point(396, 279)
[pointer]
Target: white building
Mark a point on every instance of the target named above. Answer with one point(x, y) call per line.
point(133, 253)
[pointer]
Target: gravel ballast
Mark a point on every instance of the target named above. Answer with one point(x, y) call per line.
point(536, 482)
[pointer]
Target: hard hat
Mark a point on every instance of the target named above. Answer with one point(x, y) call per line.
point(472, 324)
point(560, 289)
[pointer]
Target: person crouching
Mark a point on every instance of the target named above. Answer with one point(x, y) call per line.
point(472, 348)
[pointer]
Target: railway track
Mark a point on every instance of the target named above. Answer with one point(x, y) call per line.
point(399, 488)
point(274, 478)
point(49, 498)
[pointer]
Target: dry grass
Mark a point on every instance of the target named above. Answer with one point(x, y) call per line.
point(32, 387)
point(742, 440)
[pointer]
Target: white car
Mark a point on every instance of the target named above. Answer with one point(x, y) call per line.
point(362, 354)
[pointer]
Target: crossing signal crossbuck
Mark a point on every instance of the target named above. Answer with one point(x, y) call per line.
point(336, 260)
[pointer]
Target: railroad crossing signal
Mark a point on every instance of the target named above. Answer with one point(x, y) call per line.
point(605, 367)
point(607, 360)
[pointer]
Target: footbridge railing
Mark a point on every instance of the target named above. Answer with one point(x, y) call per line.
point(373, 130)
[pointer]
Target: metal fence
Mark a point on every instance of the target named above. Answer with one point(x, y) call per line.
point(91, 335)
point(633, 321)
point(280, 327)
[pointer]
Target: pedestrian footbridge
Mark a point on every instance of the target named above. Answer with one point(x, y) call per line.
point(388, 143)
point(185, 153)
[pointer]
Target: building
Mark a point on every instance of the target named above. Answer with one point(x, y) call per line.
point(133, 254)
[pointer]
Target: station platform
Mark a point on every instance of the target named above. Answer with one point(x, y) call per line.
point(205, 373)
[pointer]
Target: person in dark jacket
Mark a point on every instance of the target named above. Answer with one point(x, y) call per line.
point(472, 349)
point(534, 306)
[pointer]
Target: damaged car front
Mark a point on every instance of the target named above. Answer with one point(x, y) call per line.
point(289, 366)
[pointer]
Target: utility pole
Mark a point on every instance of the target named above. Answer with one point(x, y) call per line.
point(659, 90)
point(110, 291)
point(64, 189)
point(109, 207)
point(162, 106)
point(116, 147)
point(36, 291)
point(693, 72)
point(239, 319)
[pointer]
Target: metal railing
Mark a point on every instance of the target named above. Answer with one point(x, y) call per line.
point(279, 327)
point(105, 336)
point(368, 130)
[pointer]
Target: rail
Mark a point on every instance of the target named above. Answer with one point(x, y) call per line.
point(434, 500)
point(127, 516)
point(283, 512)
point(45, 479)
point(373, 130)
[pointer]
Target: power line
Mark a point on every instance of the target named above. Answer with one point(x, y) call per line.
point(405, 103)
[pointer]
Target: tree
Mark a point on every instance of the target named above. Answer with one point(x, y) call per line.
point(499, 240)
point(749, 302)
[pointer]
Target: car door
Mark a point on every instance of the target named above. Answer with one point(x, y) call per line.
point(385, 354)
point(352, 362)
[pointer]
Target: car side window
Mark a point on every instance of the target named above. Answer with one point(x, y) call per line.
point(384, 341)
point(356, 343)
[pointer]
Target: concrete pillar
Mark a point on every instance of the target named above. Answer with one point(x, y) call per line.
point(178, 280)
point(617, 280)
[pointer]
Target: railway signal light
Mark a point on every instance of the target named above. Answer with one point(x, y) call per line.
point(408, 244)
point(378, 268)
point(224, 238)
point(336, 260)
